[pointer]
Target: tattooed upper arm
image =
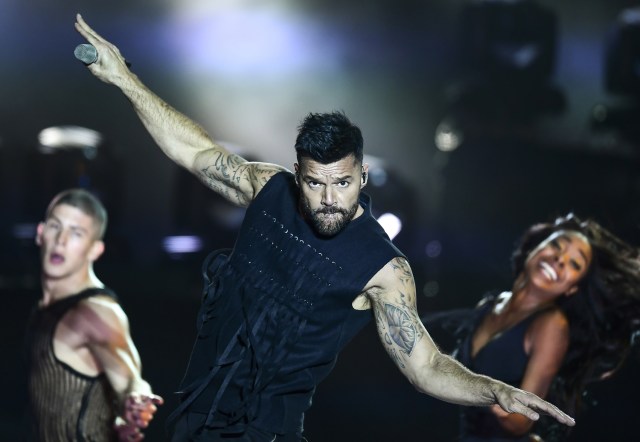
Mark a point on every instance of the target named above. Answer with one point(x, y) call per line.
point(231, 176)
point(394, 306)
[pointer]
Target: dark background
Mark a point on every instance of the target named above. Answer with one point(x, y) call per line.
point(536, 143)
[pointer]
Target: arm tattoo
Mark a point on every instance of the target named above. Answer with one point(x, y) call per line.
point(225, 175)
point(403, 271)
point(396, 315)
point(402, 329)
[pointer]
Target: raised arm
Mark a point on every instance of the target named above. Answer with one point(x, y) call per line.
point(105, 328)
point(393, 298)
point(179, 137)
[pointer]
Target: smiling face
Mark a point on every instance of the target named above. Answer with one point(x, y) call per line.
point(329, 192)
point(69, 243)
point(559, 262)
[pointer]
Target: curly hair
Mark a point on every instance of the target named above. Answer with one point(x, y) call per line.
point(328, 137)
point(603, 315)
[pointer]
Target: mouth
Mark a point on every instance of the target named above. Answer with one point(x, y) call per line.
point(330, 213)
point(549, 271)
point(56, 258)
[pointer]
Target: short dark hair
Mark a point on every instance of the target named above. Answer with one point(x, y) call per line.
point(86, 202)
point(328, 137)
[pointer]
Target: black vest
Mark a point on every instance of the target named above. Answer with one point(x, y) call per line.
point(277, 310)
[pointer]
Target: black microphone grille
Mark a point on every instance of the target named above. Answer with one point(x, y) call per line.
point(86, 53)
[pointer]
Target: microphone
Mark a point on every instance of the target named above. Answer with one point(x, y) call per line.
point(88, 54)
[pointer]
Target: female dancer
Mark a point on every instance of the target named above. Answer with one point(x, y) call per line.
point(567, 321)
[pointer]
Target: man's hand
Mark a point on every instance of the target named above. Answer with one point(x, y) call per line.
point(138, 412)
point(514, 400)
point(110, 66)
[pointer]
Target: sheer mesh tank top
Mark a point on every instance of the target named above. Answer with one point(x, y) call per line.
point(64, 405)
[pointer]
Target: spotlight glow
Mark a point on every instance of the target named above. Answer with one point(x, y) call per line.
point(391, 224)
point(447, 137)
point(175, 245)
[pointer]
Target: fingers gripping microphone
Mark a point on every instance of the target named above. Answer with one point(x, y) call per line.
point(86, 53)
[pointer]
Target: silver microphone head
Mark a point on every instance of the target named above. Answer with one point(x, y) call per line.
point(86, 53)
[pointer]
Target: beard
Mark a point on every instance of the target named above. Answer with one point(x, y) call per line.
point(328, 221)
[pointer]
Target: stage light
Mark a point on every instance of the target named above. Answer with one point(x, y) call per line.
point(24, 230)
point(69, 137)
point(509, 40)
point(433, 248)
point(622, 66)
point(180, 244)
point(448, 137)
point(391, 224)
point(431, 289)
point(506, 58)
point(618, 120)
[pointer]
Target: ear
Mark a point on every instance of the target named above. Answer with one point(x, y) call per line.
point(97, 249)
point(39, 230)
point(572, 291)
point(365, 175)
point(296, 168)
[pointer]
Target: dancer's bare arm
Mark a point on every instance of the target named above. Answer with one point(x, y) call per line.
point(104, 328)
point(180, 138)
point(393, 298)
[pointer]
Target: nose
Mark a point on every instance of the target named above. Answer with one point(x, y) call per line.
point(61, 237)
point(560, 260)
point(328, 199)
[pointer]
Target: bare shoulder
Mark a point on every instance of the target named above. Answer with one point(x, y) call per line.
point(551, 318)
point(550, 325)
point(393, 275)
point(99, 319)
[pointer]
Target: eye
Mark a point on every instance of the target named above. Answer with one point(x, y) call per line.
point(575, 265)
point(52, 225)
point(314, 184)
point(555, 244)
point(343, 183)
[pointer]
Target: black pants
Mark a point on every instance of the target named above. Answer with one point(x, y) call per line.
point(189, 427)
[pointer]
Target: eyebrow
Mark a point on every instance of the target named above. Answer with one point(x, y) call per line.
point(584, 255)
point(72, 227)
point(569, 239)
point(309, 175)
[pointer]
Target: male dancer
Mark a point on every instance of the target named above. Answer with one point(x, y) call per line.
point(309, 268)
point(84, 380)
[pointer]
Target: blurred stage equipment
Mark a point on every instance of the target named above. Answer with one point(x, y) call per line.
point(72, 156)
point(622, 80)
point(622, 69)
point(506, 61)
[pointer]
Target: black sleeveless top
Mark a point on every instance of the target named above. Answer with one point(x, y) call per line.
point(64, 405)
point(502, 358)
point(276, 312)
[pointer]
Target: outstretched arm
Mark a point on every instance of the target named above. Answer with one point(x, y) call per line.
point(179, 137)
point(393, 297)
point(105, 328)
point(546, 343)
